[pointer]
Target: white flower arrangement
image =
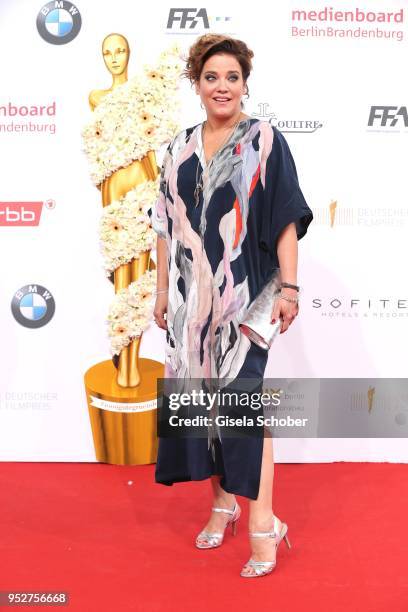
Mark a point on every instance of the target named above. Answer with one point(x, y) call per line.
point(130, 311)
point(125, 227)
point(134, 118)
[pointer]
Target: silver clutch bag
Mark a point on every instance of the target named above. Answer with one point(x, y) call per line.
point(257, 324)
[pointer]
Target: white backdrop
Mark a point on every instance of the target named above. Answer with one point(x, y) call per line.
point(329, 79)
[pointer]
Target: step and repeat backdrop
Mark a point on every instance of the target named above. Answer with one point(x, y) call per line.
point(330, 76)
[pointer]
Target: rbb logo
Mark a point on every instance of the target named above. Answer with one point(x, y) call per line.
point(20, 213)
point(388, 115)
point(186, 16)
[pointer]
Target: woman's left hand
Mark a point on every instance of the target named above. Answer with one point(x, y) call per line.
point(285, 310)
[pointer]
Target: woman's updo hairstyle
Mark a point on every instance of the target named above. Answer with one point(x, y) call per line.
point(210, 44)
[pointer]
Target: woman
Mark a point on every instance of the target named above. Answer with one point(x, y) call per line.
point(230, 211)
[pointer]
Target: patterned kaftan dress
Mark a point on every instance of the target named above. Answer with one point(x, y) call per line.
point(221, 253)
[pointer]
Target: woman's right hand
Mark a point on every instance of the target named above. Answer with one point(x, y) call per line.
point(160, 308)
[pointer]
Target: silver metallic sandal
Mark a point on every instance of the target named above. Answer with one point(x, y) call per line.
point(205, 539)
point(254, 569)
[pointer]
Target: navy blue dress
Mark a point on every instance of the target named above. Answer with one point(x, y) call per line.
point(221, 246)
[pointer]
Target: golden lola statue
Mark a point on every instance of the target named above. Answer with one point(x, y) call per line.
point(122, 395)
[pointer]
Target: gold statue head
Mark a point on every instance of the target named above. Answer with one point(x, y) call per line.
point(115, 51)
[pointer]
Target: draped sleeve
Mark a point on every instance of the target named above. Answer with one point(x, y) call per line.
point(283, 201)
point(158, 214)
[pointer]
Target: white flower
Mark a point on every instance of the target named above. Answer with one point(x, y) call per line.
point(134, 118)
point(131, 311)
point(125, 228)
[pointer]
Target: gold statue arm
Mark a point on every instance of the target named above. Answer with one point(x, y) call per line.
point(152, 159)
point(92, 100)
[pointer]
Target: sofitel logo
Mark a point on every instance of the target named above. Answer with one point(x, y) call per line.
point(190, 20)
point(388, 117)
point(347, 308)
point(304, 126)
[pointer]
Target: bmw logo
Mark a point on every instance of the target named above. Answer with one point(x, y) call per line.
point(33, 306)
point(59, 22)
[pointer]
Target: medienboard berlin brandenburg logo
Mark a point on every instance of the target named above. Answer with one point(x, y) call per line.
point(59, 22)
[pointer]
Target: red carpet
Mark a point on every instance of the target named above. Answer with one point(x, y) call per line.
point(83, 529)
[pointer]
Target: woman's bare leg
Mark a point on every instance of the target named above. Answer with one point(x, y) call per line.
point(260, 510)
point(221, 499)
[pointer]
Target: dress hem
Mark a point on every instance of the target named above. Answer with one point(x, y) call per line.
point(234, 491)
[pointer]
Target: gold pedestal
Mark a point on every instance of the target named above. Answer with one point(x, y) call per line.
point(123, 419)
